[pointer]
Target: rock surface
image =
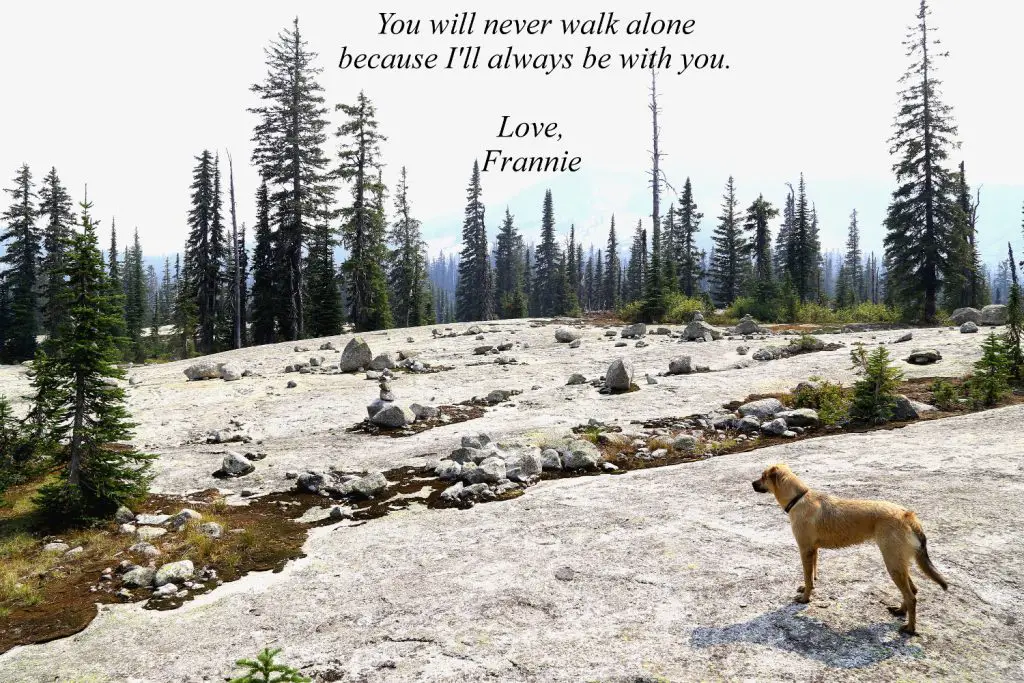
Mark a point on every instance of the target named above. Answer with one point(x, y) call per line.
point(994, 314)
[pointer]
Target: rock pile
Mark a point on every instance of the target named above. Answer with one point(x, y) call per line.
point(698, 330)
point(480, 469)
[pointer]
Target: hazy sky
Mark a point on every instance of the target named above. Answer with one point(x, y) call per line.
point(123, 95)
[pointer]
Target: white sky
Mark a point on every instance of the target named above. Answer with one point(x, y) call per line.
point(123, 95)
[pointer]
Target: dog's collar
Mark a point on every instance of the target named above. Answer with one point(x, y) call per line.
point(790, 504)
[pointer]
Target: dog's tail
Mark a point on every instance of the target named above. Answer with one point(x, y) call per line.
point(924, 563)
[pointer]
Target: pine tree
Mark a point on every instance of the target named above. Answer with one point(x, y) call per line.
point(167, 294)
point(236, 257)
point(670, 276)
point(852, 262)
point(408, 263)
point(727, 268)
point(184, 309)
point(23, 250)
point(687, 254)
point(613, 270)
point(991, 379)
point(55, 209)
point(474, 291)
point(264, 286)
point(572, 273)
point(636, 268)
point(920, 216)
point(1014, 324)
point(960, 277)
point(547, 284)
point(588, 283)
point(801, 249)
point(203, 276)
point(874, 395)
point(598, 301)
point(95, 476)
point(135, 299)
point(363, 230)
point(762, 286)
point(508, 270)
point(324, 295)
point(288, 149)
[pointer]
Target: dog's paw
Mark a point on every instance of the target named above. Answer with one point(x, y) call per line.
point(907, 631)
point(802, 599)
point(897, 611)
point(800, 588)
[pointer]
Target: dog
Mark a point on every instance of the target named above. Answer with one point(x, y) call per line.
point(819, 520)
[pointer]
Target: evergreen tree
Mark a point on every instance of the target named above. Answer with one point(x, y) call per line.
point(56, 210)
point(572, 272)
point(363, 229)
point(264, 285)
point(408, 263)
point(654, 290)
point(781, 262)
point(853, 260)
point(991, 379)
point(95, 475)
point(203, 276)
point(22, 252)
point(588, 284)
point(547, 280)
point(325, 305)
point(135, 300)
point(636, 269)
point(874, 395)
point(727, 268)
point(1014, 324)
point(669, 251)
point(166, 294)
point(243, 288)
point(613, 270)
point(688, 257)
point(288, 149)
point(528, 282)
point(801, 250)
point(508, 270)
point(598, 301)
point(184, 310)
point(762, 287)
point(960, 277)
point(474, 294)
point(920, 216)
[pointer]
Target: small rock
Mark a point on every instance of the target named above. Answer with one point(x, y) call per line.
point(923, 357)
point(174, 571)
point(776, 427)
point(762, 409)
point(356, 355)
point(565, 335)
point(204, 369)
point(968, 328)
point(291, 384)
point(235, 465)
point(143, 548)
point(620, 375)
point(680, 366)
point(139, 577)
point(634, 331)
point(550, 459)
point(148, 533)
point(124, 515)
point(576, 378)
point(231, 372)
point(394, 417)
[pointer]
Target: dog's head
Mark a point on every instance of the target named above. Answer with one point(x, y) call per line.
point(769, 480)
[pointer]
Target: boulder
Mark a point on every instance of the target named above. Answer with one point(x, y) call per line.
point(143, 548)
point(152, 520)
point(384, 361)
point(767, 353)
point(139, 577)
point(800, 417)
point(235, 465)
point(619, 376)
point(576, 378)
point(564, 335)
point(369, 486)
point(124, 515)
point(473, 329)
point(698, 329)
point(748, 423)
point(468, 454)
point(424, 412)
point(204, 369)
point(575, 343)
point(966, 315)
point(634, 331)
point(231, 372)
point(211, 529)
point(581, 455)
point(763, 409)
point(376, 406)
point(311, 482)
point(904, 338)
point(680, 366)
point(747, 325)
point(685, 443)
point(182, 518)
point(776, 427)
point(148, 533)
point(490, 471)
point(448, 470)
point(550, 459)
point(994, 314)
point(356, 355)
point(908, 409)
point(923, 357)
point(394, 417)
point(520, 465)
point(452, 493)
point(742, 350)
point(174, 572)
point(968, 328)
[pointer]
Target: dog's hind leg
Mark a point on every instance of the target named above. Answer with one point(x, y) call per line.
point(901, 577)
point(814, 566)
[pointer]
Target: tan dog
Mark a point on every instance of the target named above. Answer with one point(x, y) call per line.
point(823, 521)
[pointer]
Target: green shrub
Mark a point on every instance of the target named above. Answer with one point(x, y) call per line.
point(680, 308)
point(945, 395)
point(633, 312)
point(871, 313)
point(830, 399)
point(265, 670)
point(990, 381)
point(874, 396)
point(815, 313)
point(805, 343)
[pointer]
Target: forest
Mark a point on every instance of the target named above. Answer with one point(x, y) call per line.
point(333, 245)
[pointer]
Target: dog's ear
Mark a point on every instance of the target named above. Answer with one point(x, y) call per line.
point(773, 473)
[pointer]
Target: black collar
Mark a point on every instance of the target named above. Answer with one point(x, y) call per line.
point(789, 506)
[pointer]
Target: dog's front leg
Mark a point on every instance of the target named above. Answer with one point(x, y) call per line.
point(808, 556)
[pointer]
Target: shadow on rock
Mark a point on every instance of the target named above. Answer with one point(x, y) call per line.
point(783, 629)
